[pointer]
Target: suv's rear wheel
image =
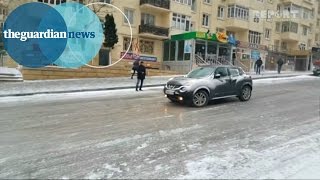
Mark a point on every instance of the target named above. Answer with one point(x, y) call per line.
point(245, 93)
point(200, 99)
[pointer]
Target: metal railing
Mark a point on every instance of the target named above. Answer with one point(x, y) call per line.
point(211, 60)
point(160, 31)
point(158, 3)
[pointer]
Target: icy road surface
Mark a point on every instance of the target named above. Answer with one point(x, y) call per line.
point(125, 134)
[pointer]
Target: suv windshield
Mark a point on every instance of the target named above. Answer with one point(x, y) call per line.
point(200, 73)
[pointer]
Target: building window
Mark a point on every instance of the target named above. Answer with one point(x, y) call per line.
point(53, 2)
point(146, 47)
point(317, 37)
point(254, 37)
point(256, 18)
point(194, 5)
point(182, 22)
point(205, 20)
point(57, 2)
point(186, 2)
point(220, 12)
point(309, 43)
point(306, 14)
point(305, 30)
point(147, 19)
point(277, 27)
point(235, 11)
point(4, 12)
point(130, 15)
point(267, 33)
point(284, 45)
point(276, 45)
point(126, 43)
point(207, 1)
point(302, 46)
point(105, 1)
point(289, 27)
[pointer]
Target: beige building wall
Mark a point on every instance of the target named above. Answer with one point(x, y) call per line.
point(240, 28)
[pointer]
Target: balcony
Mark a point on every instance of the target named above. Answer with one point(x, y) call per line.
point(291, 52)
point(295, 52)
point(152, 31)
point(290, 36)
point(155, 5)
point(234, 24)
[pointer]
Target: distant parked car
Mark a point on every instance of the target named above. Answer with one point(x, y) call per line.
point(316, 68)
point(203, 84)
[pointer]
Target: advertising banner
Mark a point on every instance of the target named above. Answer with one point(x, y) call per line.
point(133, 56)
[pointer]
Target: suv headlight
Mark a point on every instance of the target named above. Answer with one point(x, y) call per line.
point(184, 88)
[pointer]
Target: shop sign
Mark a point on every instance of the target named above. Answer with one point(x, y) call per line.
point(133, 56)
point(222, 37)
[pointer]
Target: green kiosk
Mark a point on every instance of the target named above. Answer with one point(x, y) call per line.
point(183, 52)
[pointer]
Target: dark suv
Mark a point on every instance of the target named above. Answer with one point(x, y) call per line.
point(316, 70)
point(207, 83)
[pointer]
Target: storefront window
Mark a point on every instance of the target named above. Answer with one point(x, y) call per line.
point(166, 50)
point(146, 47)
point(126, 43)
point(180, 50)
point(173, 50)
point(212, 48)
point(201, 49)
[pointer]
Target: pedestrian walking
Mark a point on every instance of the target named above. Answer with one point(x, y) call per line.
point(141, 75)
point(135, 66)
point(258, 65)
point(280, 63)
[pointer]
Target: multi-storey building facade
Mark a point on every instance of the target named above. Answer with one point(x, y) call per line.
point(265, 28)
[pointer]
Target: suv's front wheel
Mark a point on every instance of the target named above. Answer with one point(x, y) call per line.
point(245, 93)
point(200, 99)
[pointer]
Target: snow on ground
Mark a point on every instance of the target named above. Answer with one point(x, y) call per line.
point(283, 80)
point(78, 95)
point(296, 159)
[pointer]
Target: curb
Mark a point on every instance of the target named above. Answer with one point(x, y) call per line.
point(280, 76)
point(79, 90)
point(124, 87)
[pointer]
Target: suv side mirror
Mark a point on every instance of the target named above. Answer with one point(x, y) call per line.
point(217, 76)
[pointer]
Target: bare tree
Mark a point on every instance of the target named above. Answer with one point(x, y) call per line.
point(96, 8)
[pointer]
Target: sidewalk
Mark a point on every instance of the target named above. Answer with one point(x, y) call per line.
point(100, 84)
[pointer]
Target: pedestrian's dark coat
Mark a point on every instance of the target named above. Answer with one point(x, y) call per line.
point(280, 62)
point(141, 72)
point(259, 62)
